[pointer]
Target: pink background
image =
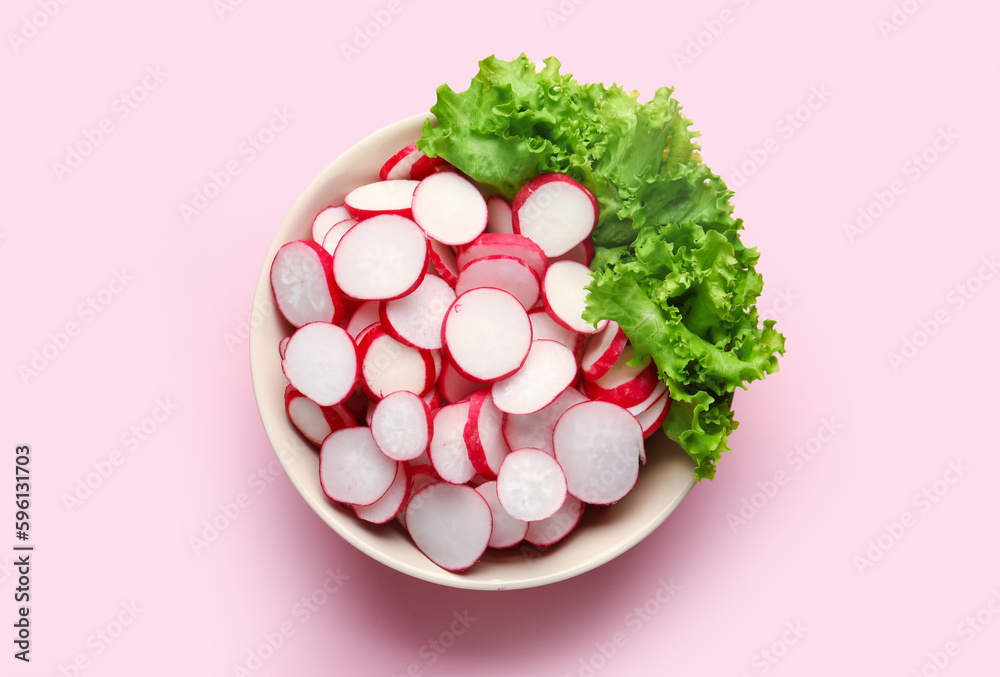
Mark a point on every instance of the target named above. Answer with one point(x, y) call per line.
point(786, 592)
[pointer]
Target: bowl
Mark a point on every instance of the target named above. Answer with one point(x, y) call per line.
point(604, 532)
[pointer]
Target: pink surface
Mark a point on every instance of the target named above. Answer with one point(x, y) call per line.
point(852, 531)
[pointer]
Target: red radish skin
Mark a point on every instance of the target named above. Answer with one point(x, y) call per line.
point(326, 219)
point(401, 426)
point(582, 253)
point(313, 421)
point(451, 524)
point(416, 319)
point(448, 452)
point(449, 208)
point(499, 216)
point(433, 399)
point(507, 531)
point(503, 244)
point(321, 362)
point(553, 529)
point(554, 211)
point(388, 366)
point(653, 418)
point(282, 344)
point(352, 469)
point(425, 166)
point(603, 350)
point(443, 258)
point(382, 197)
point(483, 435)
point(564, 292)
point(535, 430)
point(624, 384)
point(453, 386)
point(531, 485)
point(653, 398)
point(336, 233)
point(486, 334)
point(501, 272)
point(420, 477)
point(398, 166)
point(303, 286)
point(387, 507)
point(384, 257)
point(549, 369)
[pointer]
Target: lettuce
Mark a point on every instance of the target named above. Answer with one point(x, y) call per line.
point(669, 266)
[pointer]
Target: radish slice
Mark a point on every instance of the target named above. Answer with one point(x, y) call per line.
point(582, 253)
point(388, 366)
point(499, 216)
point(416, 319)
point(501, 272)
point(352, 469)
point(303, 286)
point(449, 208)
point(326, 219)
point(425, 166)
point(448, 452)
point(507, 531)
point(453, 385)
point(531, 485)
point(364, 317)
point(443, 258)
point(553, 529)
point(401, 426)
point(624, 384)
point(321, 362)
point(549, 369)
point(544, 327)
point(334, 236)
point(603, 349)
point(313, 421)
point(398, 166)
point(653, 398)
point(564, 291)
point(502, 244)
point(384, 257)
point(598, 445)
point(420, 477)
point(555, 212)
point(484, 435)
point(451, 524)
point(282, 344)
point(486, 334)
point(653, 418)
point(382, 197)
point(535, 430)
point(387, 507)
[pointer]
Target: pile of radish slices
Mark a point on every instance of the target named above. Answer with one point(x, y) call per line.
point(441, 362)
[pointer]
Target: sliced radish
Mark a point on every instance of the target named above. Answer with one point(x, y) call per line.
point(555, 212)
point(420, 477)
point(624, 384)
point(484, 434)
point(486, 334)
point(653, 418)
point(352, 469)
point(544, 327)
point(453, 385)
point(321, 362)
point(336, 234)
point(313, 421)
point(531, 484)
point(282, 344)
point(398, 166)
point(391, 502)
point(388, 366)
point(416, 319)
point(401, 426)
point(535, 430)
point(499, 216)
point(598, 445)
point(364, 317)
point(603, 349)
point(433, 399)
point(425, 166)
point(451, 524)
point(449, 208)
point(653, 398)
point(548, 370)
point(303, 285)
point(448, 452)
point(503, 244)
point(507, 531)
point(384, 257)
point(382, 197)
point(501, 272)
point(326, 219)
point(582, 253)
point(553, 529)
point(564, 291)
point(443, 258)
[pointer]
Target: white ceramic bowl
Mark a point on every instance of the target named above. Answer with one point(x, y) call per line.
point(604, 533)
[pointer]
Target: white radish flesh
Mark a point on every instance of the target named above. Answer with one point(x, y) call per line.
point(486, 334)
point(582, 253)
point(554, 211)
point(549, 369)
point(401, 426)
point(503, 244)
point(398, 166)
point(535, 430)
point(507, 531)
point(381, 197)
point(313, 421)
point(384, 257)
point(448, 452)
point(303, 285)
point(653, 398)
point(564, 291)
point(531, 484)
point(282, 344)
point(501, 272)
point(453, 385)
point(326, 219)
point(416, 319)
point(484, 434)
point(544, 327)
point(388, 366)
point(653, 418)
point(352, 469)
point(499, 216)
point(336, 234)
point(364, 317)
point(602, 351)
point(321, 362)
point(449, 208)
point(451, 524)
point(555, 528)
point(391, 502)
point(598, 445)
point(624, 384)
point(443, 258)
